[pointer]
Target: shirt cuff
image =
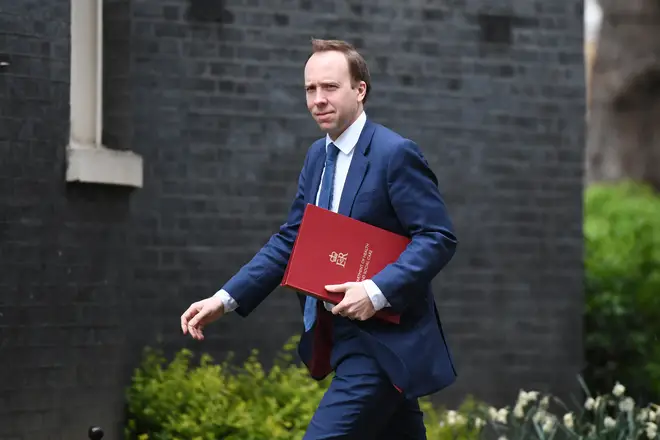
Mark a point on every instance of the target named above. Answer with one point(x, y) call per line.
point(228, 302)
point(375, 295)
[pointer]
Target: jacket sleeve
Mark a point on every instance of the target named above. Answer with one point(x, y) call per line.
point(264, 272)
point(414, 194)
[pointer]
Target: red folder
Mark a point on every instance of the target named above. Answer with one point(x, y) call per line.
point(333, 249)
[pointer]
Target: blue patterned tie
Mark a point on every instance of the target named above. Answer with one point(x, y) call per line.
point(325, 201)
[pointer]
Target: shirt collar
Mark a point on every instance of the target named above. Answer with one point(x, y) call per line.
point(349, 138)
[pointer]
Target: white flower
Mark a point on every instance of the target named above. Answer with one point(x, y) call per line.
point(525, 397)
point(643, 415)
point(618, 390)
point(533, 395)
point(539, 416)
point(548, 424)
point(590, 404)
point(652, 415)
point(609, 422)
point(455, 418)
point(502, 438)
point(568, 420)
point(627, 405)
point(518, 411)
point(479, 423)
point(651, 430)
point(492, 413)
point(545, 402)
point(501, 415)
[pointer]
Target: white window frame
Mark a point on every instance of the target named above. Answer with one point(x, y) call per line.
point(88, 160)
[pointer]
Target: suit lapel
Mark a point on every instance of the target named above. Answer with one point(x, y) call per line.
point(357, 170)
point(318, 162)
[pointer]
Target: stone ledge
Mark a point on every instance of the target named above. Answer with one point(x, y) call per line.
point(101, 165)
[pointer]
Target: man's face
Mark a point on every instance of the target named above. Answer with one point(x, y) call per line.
point(331, 99)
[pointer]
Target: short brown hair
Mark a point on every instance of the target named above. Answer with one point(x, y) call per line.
point(357, 66)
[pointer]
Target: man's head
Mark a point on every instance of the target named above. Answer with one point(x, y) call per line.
point(337, 83)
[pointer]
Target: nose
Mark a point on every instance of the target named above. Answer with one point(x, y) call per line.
point(319, 97)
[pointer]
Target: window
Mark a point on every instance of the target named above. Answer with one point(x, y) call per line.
point(88, 161)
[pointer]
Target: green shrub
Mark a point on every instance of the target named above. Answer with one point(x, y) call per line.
point(622, 239)
point(182, 401)
point(178, 401)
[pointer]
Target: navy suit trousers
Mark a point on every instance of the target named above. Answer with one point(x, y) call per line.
point(361, 403)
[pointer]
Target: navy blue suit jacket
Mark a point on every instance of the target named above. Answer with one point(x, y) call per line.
point(391, 186)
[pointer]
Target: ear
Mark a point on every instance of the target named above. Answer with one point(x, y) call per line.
point(362, 90)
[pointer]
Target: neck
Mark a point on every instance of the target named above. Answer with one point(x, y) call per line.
point(335, 134)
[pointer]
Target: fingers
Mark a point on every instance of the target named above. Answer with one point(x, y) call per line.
point(195, 321)
point(190, 320)
point(354, 306)
point(340, 309)
point(188, 315)
point(338, 287)
point(196, 332)
point(343, 307)
point(199, 314)
point(346, 309)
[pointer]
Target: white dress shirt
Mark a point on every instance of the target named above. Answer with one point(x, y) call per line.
point(346, 144)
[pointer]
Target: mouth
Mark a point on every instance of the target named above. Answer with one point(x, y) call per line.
point(323, 115)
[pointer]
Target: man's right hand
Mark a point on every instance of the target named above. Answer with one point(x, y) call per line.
point(199, 314)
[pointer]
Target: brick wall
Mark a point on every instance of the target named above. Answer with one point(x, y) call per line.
point(62, 249)
point(214, 103)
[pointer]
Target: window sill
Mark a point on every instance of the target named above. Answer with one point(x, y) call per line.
point(101, 165)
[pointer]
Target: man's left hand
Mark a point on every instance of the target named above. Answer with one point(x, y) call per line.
point(356, 303)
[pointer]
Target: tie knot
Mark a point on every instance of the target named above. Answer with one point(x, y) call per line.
point(332, 151)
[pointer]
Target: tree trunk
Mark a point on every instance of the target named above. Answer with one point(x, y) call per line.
point(623, 139)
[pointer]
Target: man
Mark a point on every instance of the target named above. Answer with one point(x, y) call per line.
point(363, 170)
